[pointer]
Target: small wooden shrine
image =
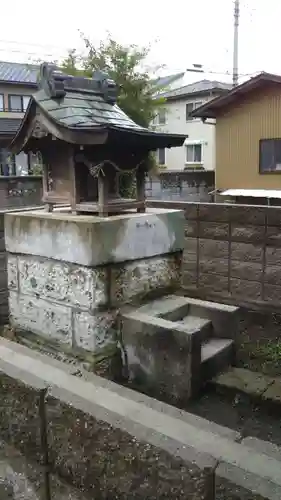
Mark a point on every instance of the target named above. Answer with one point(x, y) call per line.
point(86, 141)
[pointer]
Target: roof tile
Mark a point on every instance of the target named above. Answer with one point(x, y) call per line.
point(11, 72)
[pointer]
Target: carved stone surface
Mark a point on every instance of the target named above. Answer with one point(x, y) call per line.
point(39, 316)
point(62, 282)
point(94, 331)
point(137, 279)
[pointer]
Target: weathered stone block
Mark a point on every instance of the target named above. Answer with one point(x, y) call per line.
point(272, 275)
point(255, 216)
point(41, 317)
point(211, 248)
point(246, 270)
point(94, 332)
point(215, 266)
point(189, 279)
point(248, 291)
point(213, 283)
point(191, 229)
point(189, 262)
point(273, 216)
point(191, 245)
point(213, 212)
point(92, 241)
point(273, 256)
point(191, 211)
point(272, 294)
point(138, 278)
point(246, 252)
point(13, 283)
point(247, 234)
point(152, 346)
point(63, 282)
point(214, 230)
point(273, 236)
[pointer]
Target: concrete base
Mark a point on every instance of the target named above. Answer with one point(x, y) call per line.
point(68, 275)
point(173, 347)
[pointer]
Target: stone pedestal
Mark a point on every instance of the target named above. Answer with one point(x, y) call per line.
point(69, 275)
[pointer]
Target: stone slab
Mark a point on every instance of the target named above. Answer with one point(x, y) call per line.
point(93, 332)
point(265, 447)
point(152, 346)
point(92, 241)
point(273, 392)
point(137, 279)
point(137, 453)
point(39, 316)
point(252, 383)
point(60, 282)
point(139, 450)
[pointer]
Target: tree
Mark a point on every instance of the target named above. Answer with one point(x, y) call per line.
point(126, 66)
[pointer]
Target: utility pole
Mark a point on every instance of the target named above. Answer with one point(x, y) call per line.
point(235, 42)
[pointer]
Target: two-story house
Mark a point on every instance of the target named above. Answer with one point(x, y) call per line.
point(175, 117)
point(248, 140)
point(17, 83)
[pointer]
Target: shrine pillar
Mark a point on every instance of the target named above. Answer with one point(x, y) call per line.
point(69, 275)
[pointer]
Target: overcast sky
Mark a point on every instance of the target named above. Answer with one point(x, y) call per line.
point(182, 32)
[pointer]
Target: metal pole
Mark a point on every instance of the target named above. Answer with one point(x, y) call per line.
point(235, 42)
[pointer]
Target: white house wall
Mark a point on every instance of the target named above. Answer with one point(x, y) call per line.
point(196, 131)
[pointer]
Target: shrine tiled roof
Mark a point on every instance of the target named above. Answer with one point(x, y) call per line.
point(81, 110)
point(77, 109)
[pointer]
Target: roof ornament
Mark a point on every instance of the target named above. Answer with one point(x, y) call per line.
point(52, 80)
point(56, 83)
point(106, 85)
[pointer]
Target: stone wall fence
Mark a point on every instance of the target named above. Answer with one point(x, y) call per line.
point(232, 253)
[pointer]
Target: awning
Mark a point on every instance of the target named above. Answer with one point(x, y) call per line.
point(254, 193)
point(191, 142)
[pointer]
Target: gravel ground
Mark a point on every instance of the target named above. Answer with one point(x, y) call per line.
point(239, 413)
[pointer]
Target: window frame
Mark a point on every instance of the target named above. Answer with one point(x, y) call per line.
point(195, 105)
point(159, 122)
point(193, 144)
point(21, 110)
point(165, 158)
point(261, 170)
point(1, 110)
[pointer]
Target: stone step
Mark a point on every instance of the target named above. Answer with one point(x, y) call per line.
point(176, 308)
point(200, 326)
point(216, 355)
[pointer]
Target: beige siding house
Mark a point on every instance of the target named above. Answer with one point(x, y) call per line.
point(248, 136)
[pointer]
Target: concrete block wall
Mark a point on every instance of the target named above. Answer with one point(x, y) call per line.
point(232, 253)
point(181, 185)
point(111, 442)
point(20, 191)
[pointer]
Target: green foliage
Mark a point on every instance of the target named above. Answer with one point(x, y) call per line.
point(136, 92)
point(125, 65)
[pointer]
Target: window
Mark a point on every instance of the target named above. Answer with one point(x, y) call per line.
point(18, 103)
point(1, 102)
point(194, 153)
point(162, 116)
point(270, 156)
point(7, 163)
point(161, 156)
point(191, 106)
point(25, 102)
